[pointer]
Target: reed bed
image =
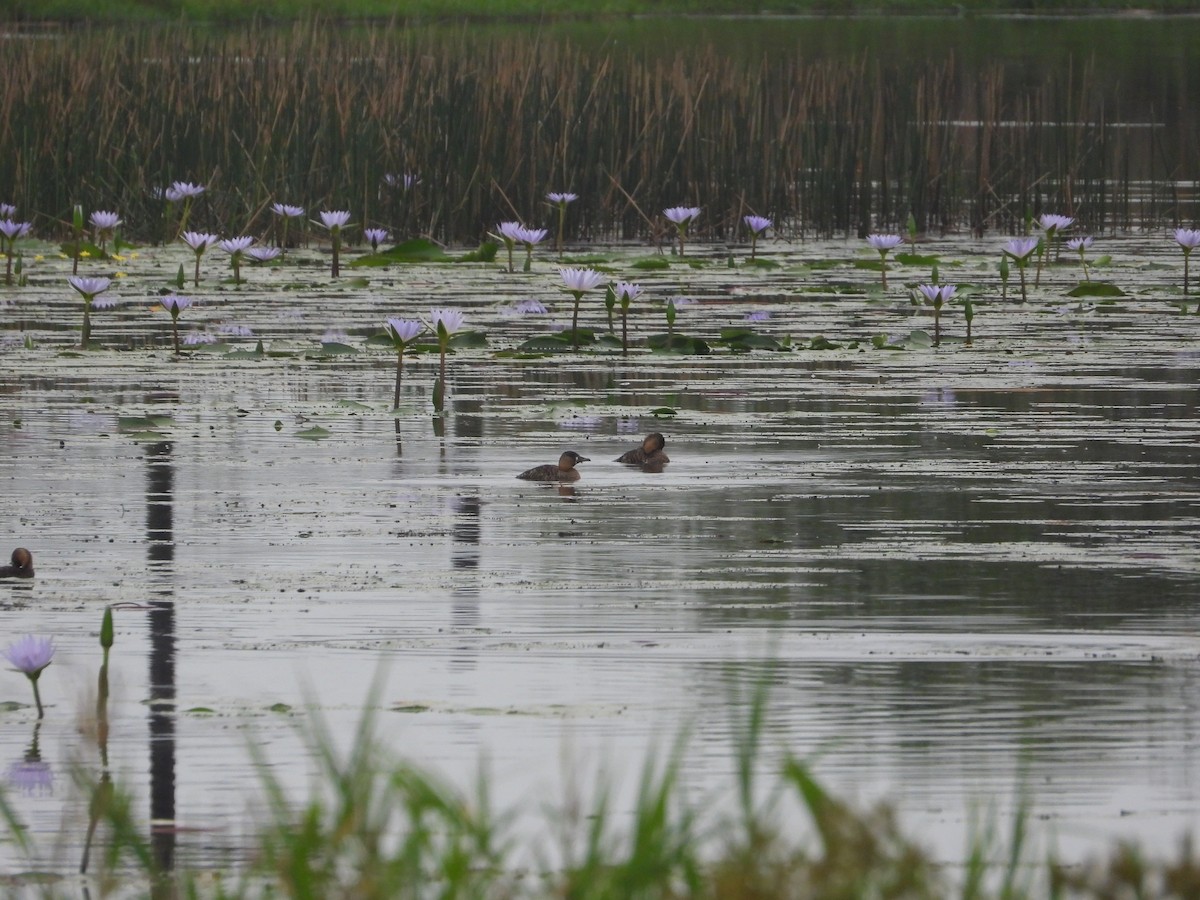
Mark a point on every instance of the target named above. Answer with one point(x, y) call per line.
point(491, 120)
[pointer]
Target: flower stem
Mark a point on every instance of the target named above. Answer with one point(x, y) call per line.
point(399, 373)
point(575, 321)
point(37, 698)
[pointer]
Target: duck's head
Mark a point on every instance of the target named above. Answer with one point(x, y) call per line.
point(653, 442)
point(570, 459)
point(22, 559)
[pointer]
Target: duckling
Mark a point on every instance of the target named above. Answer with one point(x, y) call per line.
point(564, 471)
point(22, 565)
point(649, 454)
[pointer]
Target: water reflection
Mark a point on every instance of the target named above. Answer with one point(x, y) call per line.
point(31, 775)
point(464, 561)
point(160, 549)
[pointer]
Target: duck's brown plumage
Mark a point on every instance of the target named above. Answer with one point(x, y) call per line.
point(564, 471)
point(649, 454)
point(22, 565)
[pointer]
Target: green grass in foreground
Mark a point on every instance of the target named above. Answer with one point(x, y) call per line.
point(378, 828)
point(242, 10)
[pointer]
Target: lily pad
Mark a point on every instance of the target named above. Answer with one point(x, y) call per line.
point(1096, 289)
point(315, 433)
point(651, 263)
point(678, 343)
point(333, 348)
point(143, 423)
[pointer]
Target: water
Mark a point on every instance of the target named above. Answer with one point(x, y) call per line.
point(968, 572)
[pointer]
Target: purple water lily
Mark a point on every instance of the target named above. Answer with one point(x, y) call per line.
point(626, 293)
point(560, 200)
point(1188, 240)
point(1081, 245)
point(375, 237)
point(578, 281)
point(175, 304)
point(199, 241)
point(30, 655)
point(883, 244)
point(757, 225)
point(236, 248)
point(10, 231)
point(187, 192)
point(105, 222)
point(936, 295)
point(285, 212)
point(682, 216)
point(1020, 249)
point(263, 254)
point(508, 233)
point(530, 238)
point(90, 289)
point(445, 323)
point(402, 332)
point(335, 220)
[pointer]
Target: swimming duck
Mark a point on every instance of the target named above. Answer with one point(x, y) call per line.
point(649, 454)
point(564, 471)
point(22, 565)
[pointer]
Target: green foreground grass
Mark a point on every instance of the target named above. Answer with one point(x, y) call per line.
point(375, 827)
point(243, 10)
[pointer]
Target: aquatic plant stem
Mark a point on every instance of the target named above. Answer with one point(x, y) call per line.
point(85, 336)
point(578, 295)
point(399, 374)
point(37, 698)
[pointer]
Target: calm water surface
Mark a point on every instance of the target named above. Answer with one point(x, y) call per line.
point(974, 569)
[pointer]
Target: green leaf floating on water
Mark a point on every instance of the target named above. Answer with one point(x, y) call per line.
point(465, 340)
point(918, 338)
point(143, 423)
point(257, 353)
point(1096, 289)
point(742, 339)
point(662, 412)
point(915, 259)
point(352, 404)
point(651, 263)
point(546, 343)
point(333, 348)
point(678, 343)
point(416, 250)
point(315, 433)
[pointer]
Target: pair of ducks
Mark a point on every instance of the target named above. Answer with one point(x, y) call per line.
point(22, 565)
point(649, 456)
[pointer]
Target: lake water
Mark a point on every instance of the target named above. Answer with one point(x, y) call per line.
point(968, 572)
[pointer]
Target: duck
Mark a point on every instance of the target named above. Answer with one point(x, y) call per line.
point(649, 454)
point(563, 471)
point(22, 565)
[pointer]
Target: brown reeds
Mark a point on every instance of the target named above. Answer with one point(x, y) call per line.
point(317, 115)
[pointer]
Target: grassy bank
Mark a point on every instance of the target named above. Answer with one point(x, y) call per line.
point(242, 10)
point(376, 827)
